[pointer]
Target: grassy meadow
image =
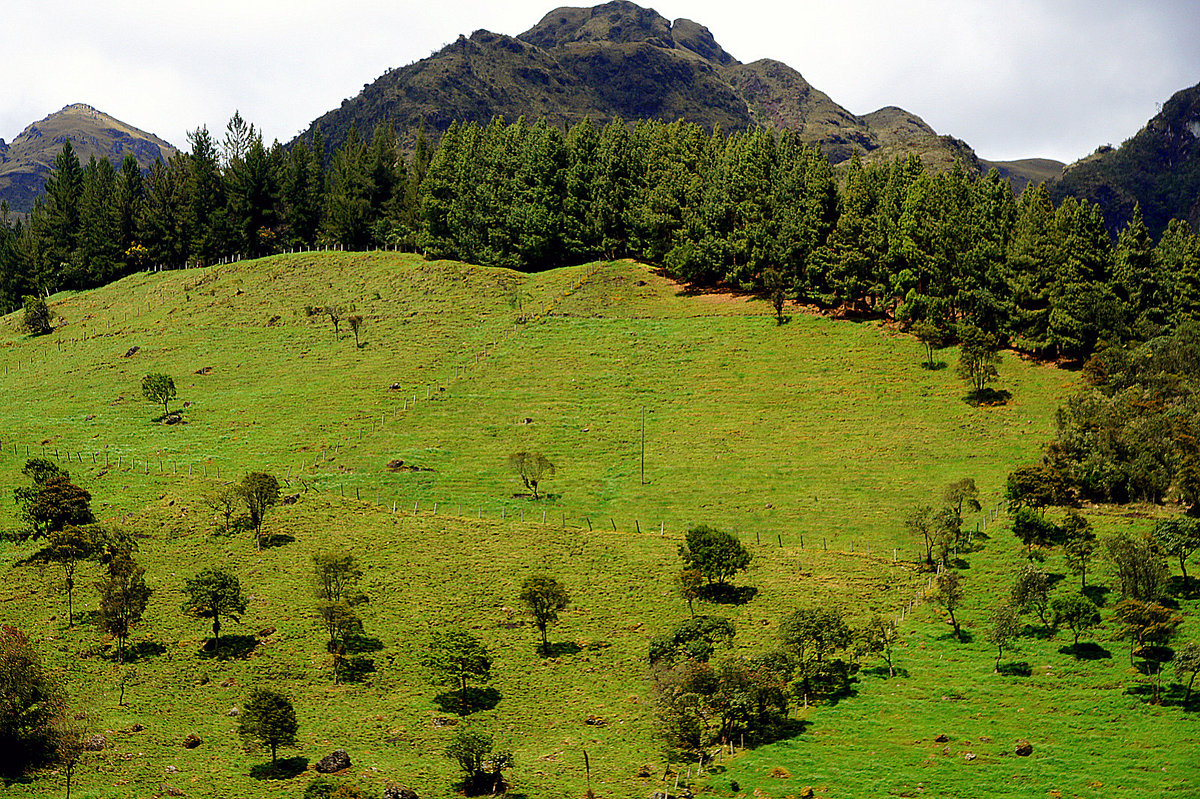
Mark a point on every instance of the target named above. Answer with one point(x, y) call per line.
point(810, 440)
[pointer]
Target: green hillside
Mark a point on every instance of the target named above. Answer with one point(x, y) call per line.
point(810, 440)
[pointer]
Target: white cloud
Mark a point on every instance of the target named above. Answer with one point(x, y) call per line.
point(1024, 78)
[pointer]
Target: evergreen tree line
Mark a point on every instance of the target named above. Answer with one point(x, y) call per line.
point(755, 209)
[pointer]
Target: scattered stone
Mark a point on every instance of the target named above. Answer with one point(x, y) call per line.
point(807, 792)
point(173, 418)
point(644, 772)
point(442, 721)
point(945, 750)
point(336, 760)
point(191, 741)
point(228, 683)
point(399, 792)
point(291, 499)
point(943, 738)
point(207, 370)
point(172, 769)
point(132, 351)
point(170, 790)
point(779, 772)
point(95, 743)
point(527, 420)
point(596, 720)
point(985, 739)
point(137, 728)
point(264, 633)
point(395, 387)
point(233, 712)
point(1024, 748)
point(90, 417)
point(969, 756)
point(274, 320)
point(187, 404)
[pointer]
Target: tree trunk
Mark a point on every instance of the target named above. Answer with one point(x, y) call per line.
point(216, 634)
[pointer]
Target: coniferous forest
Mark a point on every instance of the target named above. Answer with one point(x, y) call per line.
point(756, 210)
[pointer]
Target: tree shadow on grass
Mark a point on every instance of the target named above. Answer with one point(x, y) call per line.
point(988, 396)
point(277, 540)
point(1098, 594)
point(1017, 669)
point(1086, 650)
point(950, 637)
point(936, 366)
point(139, 651)
point(1178, 589)
point(477, 699)
point(1039, 631)
point(558, 649)
point(356, 669)
point(232, 646)
point(882, 671)
point(726, 594)
point(363, 643)
point(280, 769)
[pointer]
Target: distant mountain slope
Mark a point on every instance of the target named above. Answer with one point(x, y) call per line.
point(26, 162)
point(1159, 168)
point(622, 60)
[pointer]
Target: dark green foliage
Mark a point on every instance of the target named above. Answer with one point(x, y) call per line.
point(1079, 545)
point(1178, 537)
point(718, 555)
point(68, 547)
point(36, 316)
point(52, 502)
point(123, 598)
point(1140, 568)
point(31, 704)
point(474, 751)
point(1033, 530)
point(1077, 612)
point(336, 578)
point(694, 639)
point(268, 719)
point(544, 597)
point(158, 388)
point(948, 591)
point(811, 637)
point(454, 657)
point(1036, 487)
point(260, 492)
point(978, 360)
point(214, 594)
point(1003, 628)
point(1187, 666)
point(1031, 591)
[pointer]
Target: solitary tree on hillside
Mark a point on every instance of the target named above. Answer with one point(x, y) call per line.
point(158, 388)
point(36, 319)
point(51, 503)
point(269, 719)
point(1031, 591)
point(545, 597)
point(1077, 612)
point(1005, 626)
point(717, 554)
point(1178, 537)
point(1079, 545)
point(454, 657)
point(979, 356)
point(356, 325)
point(532, 468)
point(473, 750)
point(948, 592)
point(68, 548)
point(933, 336)
point(123, 599)
point(336, 578)
point(259, 491)
point(213, 594)
point(1187, 664)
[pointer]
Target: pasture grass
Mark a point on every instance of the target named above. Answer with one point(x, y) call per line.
point(809, 439)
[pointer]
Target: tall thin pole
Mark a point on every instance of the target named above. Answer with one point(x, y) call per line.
point(643, 445)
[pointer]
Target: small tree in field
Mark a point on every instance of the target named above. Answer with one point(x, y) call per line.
point(532, 468)
point(225, 501)
point(948, 592)
point(880, 636)
point(158, 388)
point(545, 597)
point(123, 599)
point(718, 555)
point(690, 583)
point(1079, 545)
point(356, 325)
point(454, 657)
point(68, 548)
point(36, 318)
point(473, 750)
point(1005, 625)
point(1178, 537)
point(214, 594)
point(979, 357)
point(1077, 612)
point(260, 492)
point(268, 719)
point(1031, 591)
point(1187, 665)
point(933, 337)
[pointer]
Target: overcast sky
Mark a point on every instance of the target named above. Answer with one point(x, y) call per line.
point(1013, 78)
